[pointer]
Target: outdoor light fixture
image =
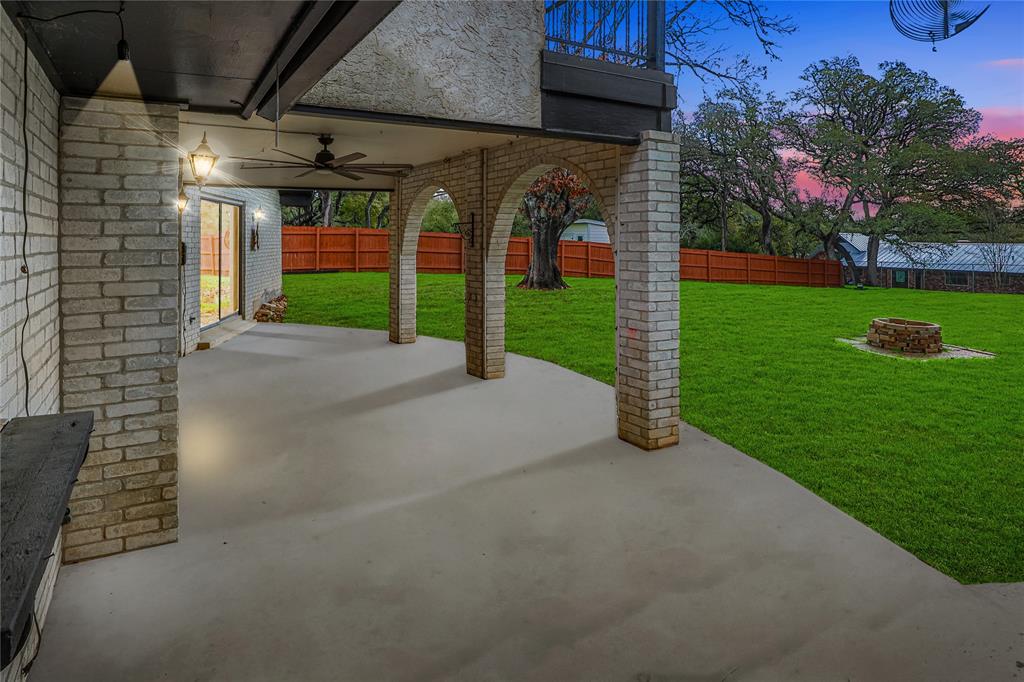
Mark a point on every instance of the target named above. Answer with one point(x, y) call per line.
point(123, 53)
point(254, 234)
point(202, 160)
point(182, 201)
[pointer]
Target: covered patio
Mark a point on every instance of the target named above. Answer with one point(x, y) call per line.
point(356, 509)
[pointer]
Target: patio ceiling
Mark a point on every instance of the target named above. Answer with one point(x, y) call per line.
point(214, 56)
point(382, 142)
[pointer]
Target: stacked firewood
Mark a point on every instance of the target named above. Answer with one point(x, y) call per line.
point(273, 310)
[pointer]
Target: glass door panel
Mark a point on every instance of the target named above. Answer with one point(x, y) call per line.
point(228, 260)
point(219, 264)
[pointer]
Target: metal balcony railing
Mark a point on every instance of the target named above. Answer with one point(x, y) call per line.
point(629, 32)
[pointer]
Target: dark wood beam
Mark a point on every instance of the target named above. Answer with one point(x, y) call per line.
point(341, 28)
point(472, 126)
point(307, 21)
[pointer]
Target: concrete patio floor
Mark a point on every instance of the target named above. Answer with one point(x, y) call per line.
point(357, 510)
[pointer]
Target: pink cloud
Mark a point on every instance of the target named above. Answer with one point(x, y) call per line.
point(1002, 122)
point(1011, 63)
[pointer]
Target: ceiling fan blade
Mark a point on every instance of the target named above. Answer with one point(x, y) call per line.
point(288, 167)
point(311, 170)
point(390, 166)
point(342, 160)
point(294, 156)
point(376, 171)
point(350, 176)
point(254, 158)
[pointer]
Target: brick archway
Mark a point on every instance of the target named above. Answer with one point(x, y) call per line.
point(637, 190)
point(511, 195)
point(404, 239)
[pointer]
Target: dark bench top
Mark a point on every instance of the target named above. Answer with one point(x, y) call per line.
point(39, 461)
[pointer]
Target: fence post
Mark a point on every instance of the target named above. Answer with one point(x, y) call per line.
point(357, 249)
point(707, 263)
point(748, 268)
point(316, 263)
point(775, 269)
point(588, 260)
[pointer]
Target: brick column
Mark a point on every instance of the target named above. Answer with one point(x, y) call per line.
point(647, 293)
point(485, 276)
point(401, 273)
point(119, 319)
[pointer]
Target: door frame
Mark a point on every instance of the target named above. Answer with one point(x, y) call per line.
point(205, 195)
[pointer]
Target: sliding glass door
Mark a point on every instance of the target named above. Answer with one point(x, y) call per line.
point(219, 265)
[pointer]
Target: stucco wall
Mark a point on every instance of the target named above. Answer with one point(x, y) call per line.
point(42, 335)
point(477, 60)
point(261, 269)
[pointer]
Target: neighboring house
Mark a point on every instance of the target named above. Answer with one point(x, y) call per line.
point(958, 266)
point(477, 99)
point(587, 230)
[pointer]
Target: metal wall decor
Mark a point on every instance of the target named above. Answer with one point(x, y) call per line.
point(929, 21)
point(468, 229)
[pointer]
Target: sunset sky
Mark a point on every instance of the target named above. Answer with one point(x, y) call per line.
point(985, 63)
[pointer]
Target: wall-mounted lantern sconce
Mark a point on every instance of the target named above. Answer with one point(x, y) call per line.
point(182, 201)
point(254, 234)
point(202, 159)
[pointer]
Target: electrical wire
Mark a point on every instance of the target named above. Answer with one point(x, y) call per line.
point(24, 176)
point(24, 211)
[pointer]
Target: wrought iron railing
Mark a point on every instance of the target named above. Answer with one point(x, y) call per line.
point(630, 32)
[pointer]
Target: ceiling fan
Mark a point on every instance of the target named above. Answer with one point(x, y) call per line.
point(325, 161)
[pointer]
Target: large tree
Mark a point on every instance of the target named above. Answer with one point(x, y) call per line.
point(343, 208)
point(731, 155)
point(873, 142)
point(552, 203)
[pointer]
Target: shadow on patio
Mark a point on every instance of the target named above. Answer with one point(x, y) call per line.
point(357, 510)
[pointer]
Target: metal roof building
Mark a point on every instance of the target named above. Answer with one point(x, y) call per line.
point(954, 257)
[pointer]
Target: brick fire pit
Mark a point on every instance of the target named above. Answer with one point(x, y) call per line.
point(905, 336)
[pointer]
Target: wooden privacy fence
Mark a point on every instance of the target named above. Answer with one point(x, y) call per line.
point(208, 254)
point(358, 249)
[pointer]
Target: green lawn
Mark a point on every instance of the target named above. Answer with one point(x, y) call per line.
point(929, 454)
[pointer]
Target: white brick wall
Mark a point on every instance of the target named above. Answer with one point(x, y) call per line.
point(119, 311)
point(261, 269)
point(42, 336)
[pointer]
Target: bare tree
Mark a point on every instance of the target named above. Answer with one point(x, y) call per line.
point(997, 234)
point(618, 28)
point(690, 28)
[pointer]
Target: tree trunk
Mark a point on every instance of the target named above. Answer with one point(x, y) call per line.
point(766, 234)
point(873, 243)
point(369, 208)
point(327, 203)
point(723, 217)
point(848, 263)
point(543, 272)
